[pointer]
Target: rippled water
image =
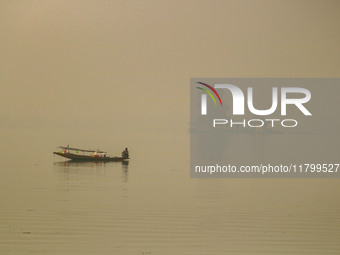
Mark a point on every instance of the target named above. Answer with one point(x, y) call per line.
point(151, 206)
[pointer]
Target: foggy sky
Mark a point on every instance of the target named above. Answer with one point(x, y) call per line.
point(127, 64)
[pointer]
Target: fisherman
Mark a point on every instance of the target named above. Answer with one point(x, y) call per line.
point(125, 153)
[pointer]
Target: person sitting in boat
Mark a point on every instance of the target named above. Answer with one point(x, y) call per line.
point(125, 153)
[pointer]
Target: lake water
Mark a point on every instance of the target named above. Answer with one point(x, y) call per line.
point(151, 205)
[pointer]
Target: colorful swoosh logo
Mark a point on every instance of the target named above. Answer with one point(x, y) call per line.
point(209, 93)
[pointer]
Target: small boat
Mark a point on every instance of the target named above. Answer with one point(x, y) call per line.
point(89, 155)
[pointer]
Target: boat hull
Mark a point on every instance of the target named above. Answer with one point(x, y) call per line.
point(77, 157)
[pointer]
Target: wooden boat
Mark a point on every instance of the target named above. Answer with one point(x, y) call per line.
point(89, 155)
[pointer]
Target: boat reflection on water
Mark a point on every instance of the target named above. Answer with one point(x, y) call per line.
point(75, 167)
point(125, 167)
point(75, 163)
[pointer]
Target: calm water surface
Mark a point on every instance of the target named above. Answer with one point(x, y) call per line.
point(151, 206)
